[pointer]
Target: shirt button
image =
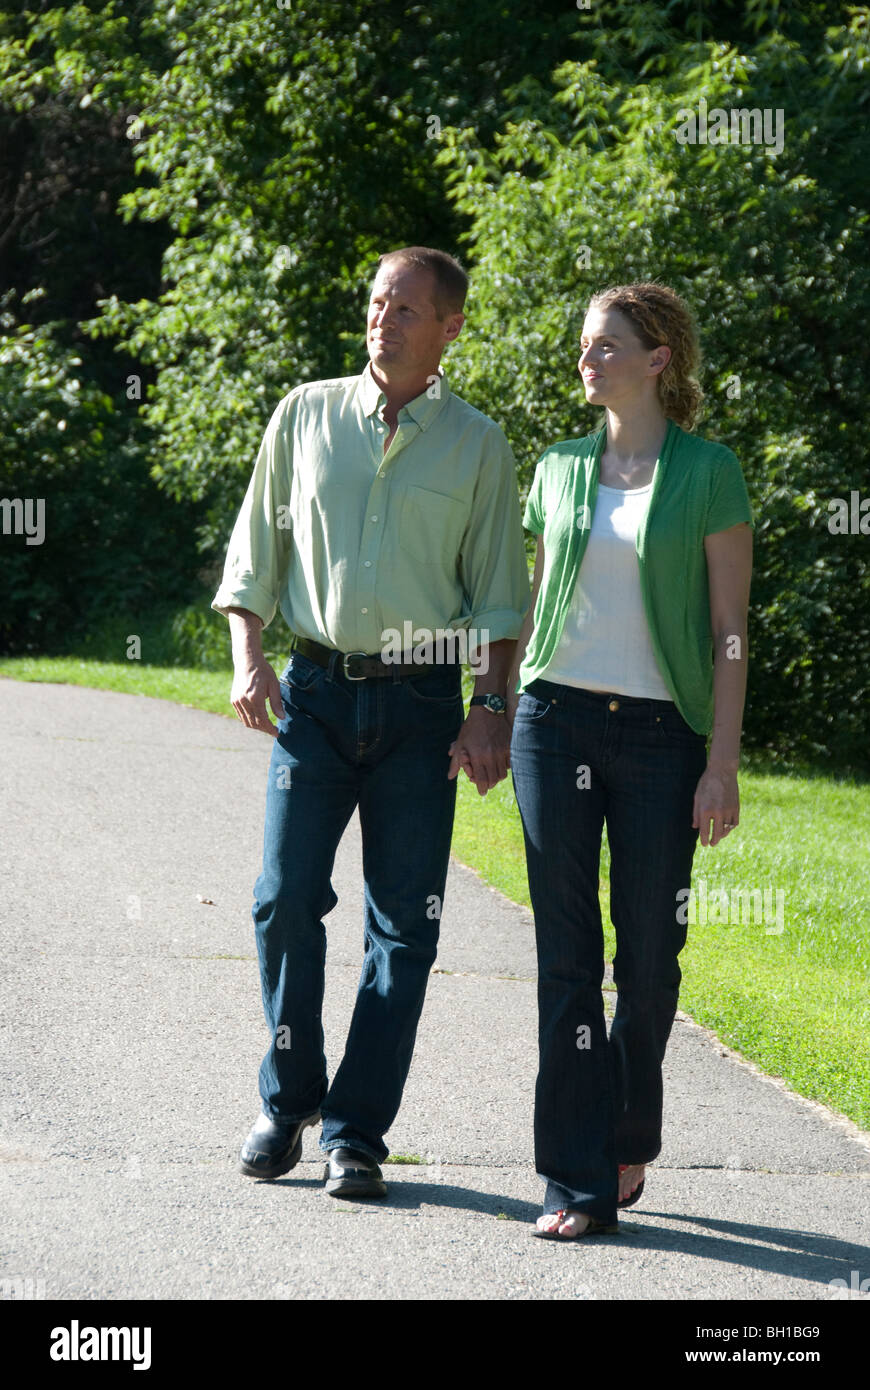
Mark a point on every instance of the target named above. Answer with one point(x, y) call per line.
point(364, 610)
point(368, 564)
point(374, 518)
point(614, 704)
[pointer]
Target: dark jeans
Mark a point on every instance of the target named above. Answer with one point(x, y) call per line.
point(578, 763)
point(380, 745)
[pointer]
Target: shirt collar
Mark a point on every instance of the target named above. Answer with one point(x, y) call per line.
point(422, 409)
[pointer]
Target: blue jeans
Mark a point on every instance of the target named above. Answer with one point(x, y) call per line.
point(380, 745)
point(577, 764)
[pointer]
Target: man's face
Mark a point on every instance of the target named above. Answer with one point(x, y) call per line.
point(404, 335)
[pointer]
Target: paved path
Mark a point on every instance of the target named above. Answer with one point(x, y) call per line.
point(132, 1033)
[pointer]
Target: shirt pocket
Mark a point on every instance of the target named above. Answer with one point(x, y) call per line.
point(431, 527)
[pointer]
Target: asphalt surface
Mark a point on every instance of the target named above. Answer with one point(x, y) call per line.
point(132, 1032)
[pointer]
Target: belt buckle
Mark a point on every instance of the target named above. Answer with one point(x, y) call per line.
point(345, 659)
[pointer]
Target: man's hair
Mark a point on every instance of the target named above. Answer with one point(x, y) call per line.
point(451, 281)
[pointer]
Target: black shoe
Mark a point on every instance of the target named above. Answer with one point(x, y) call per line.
point(352, 1174)
point(272, 1149)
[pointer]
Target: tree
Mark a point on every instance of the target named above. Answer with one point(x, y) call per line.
point(769, 248)
point(288, 148)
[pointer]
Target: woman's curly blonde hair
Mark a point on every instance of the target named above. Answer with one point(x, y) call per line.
point(658, 316)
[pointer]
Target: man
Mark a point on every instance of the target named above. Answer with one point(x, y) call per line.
point(378, 504)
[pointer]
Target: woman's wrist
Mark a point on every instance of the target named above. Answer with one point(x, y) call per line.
point(723, 766)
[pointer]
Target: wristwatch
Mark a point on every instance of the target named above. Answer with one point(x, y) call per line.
point(494, 703)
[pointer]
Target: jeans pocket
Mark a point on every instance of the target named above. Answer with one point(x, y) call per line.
point(532, 707)
point(672, 728)
point(301, 672)
point(441, 687)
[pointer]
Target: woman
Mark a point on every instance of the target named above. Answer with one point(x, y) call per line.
point(633, 651)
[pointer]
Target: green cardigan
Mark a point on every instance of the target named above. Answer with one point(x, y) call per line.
point(698, 488)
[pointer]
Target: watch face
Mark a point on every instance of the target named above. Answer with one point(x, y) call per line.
point(495, 703)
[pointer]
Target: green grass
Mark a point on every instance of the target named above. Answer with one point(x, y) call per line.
point(208, 690)
point(795, 1003)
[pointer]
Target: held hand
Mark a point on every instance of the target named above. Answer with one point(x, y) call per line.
point(252, 684)
point(716, 809)
point(482, 749)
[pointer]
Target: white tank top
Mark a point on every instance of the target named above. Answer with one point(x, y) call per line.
point(605, 643)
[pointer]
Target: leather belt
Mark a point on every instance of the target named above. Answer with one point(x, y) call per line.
point(360, 666)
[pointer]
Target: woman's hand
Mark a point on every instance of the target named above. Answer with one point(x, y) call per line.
point(511, 701)
point(716, 810)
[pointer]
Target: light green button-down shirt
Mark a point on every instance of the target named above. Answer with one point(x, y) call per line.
point(352, 542)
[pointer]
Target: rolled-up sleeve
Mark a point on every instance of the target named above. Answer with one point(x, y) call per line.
point(259, 547)
point(493, 567)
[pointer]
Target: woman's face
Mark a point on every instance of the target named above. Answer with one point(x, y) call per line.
point(614, 364)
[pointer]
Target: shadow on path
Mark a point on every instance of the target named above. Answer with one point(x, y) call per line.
point(797, 1253)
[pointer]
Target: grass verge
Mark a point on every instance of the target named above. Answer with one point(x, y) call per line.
point(785, 984)
point(794, 1001)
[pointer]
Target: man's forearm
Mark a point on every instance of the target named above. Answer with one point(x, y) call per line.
point(246, 633)
point(254, 681)
point(499, 658)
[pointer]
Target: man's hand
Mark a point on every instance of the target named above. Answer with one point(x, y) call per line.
point(252, 684)
point(482, 748)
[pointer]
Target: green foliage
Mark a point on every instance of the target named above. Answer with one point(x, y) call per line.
point(111, 539)
point(197, 195)
point(771, 252)
point(199, 637)
point(287, 150)
point(115, 549)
